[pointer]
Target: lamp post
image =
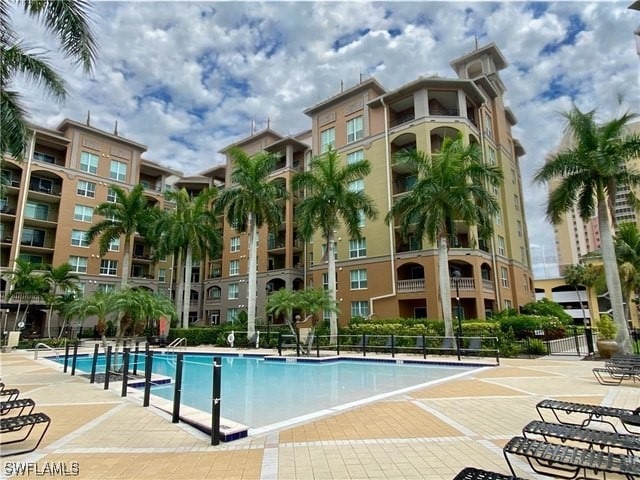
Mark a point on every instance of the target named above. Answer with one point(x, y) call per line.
point(455, 273)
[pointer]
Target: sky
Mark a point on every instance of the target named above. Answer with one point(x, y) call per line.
point(187, 79)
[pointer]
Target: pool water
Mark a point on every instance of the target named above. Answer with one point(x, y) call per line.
point(261, 393)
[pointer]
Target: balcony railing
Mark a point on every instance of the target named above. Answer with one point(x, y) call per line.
point(464, 283)
point(410, 286)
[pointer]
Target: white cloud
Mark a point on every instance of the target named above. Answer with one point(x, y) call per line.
point(197, 74)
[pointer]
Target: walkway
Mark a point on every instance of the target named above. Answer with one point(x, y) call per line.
point(427, 434)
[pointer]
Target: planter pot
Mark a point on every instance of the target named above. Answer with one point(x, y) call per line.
point(606, 348)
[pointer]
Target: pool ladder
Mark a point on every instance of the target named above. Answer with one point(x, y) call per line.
point(38, 345)
point(176, 343)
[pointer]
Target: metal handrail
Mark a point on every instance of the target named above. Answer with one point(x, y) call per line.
point(35, 353)
point(176, 343)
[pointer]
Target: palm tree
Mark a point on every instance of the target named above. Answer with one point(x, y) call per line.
point(101, 304)
point(128, 215)
point(251, 202)
point(58, 278)
point(66, 20)
point(627, 248)
point(329, 201)
point(192, 230)
point(589, 172)
point(26, 284)
point(453, 185)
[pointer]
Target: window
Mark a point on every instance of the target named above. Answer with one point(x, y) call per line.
point(83, 213)
point(78, 264)
point(114, 245)
point(33, 237)
point(106, 287)
point(118, 171)
point(362, 218)
point(355, 157)
point(508, 304)
point(360, 309)
point(108, 267)
point(86, 189)
point(89, 162)
point(516, 202)
point(234, 291)
point(232, 314)
point(499, 217)
point(37, 211)
point(34, 259)
point(324, 251)
point(356, 185)
point(235, 244)
point(358, 248)
point(327, 139)
point(234, 267)
point(325, 281)
point(504, 277)
point(111, 196)
point(162, 275)
point(358, 279)
point(214, 293)
point(79, 238)
point(44, 157)
point(519, 227)
point(491, 156)
point(355, 129)
point(501, 245)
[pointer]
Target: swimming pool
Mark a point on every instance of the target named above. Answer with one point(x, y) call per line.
point(260, 393)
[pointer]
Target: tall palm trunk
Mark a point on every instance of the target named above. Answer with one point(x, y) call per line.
point(126, 261)
point(179, 282)
point(188, 267)
point(253, 274)
point(331, 280)
point(612, 277)
point(445, 285)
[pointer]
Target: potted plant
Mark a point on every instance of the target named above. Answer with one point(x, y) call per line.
point(607, 345)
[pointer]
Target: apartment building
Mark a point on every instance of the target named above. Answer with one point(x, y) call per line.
point(575, 237)
point(47, 205)
point(383, 274)
point(49, 202)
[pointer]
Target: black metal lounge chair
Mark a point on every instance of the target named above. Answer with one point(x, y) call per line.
point(21, 404)
point(471, 473)
point(599, 438)
point(618, 368)
point(10, 425)
point(9, 394)
point(564, 461)
point(584, 414)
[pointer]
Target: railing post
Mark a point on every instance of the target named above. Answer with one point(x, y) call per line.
point(424, 347)
point(75, 357)
point(177, 389)
point(364, 344)
point(337, 344)
point(317, 339)
point(107, 367)
point(147, 378)
point(393, 346)
point(279, 344)
point(135, 358)
point(577, 340)
point(215, 407)
point(94, 363)
point(297, 343)
point(125, 371)
point(66, 354)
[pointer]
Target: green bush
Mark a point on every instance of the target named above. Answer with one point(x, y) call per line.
point(525, 326)
point(547, 308)
point(534, 346)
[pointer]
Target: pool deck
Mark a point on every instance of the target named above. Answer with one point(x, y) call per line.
point(429, 433)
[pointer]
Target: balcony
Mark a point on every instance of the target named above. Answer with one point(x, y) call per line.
point(463, 284)
point(410, 286)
